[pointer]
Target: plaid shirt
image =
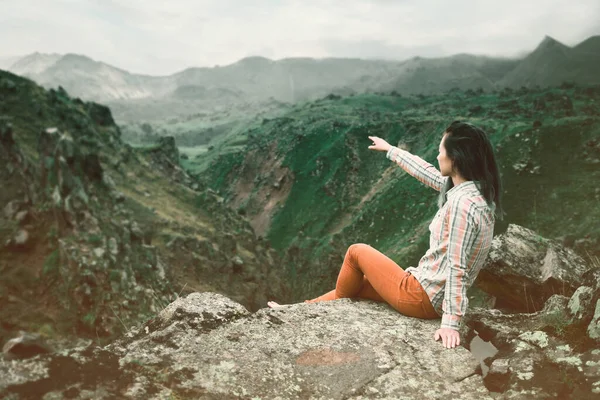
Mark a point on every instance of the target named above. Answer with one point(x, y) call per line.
point(460, 240)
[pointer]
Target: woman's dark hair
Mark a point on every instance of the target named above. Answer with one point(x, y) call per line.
point(472, 156)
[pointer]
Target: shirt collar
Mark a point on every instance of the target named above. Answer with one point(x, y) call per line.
point(463, 187)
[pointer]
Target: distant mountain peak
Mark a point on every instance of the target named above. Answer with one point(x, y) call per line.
point(550, 42)
point(77, 59)
point(591, 44)
point(77, 56)
point(254, 60)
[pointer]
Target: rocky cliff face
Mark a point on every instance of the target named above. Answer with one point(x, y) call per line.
point(96, 235)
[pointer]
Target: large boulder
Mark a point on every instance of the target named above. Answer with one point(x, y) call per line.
point(524, 269)
point(207, 346)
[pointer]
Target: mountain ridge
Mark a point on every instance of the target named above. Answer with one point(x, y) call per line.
point(303, 78)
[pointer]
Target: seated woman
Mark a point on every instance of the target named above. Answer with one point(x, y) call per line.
point(461, 235)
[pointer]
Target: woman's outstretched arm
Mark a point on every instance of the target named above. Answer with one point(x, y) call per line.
point(414, 165)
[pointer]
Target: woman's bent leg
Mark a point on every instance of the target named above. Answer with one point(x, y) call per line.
point(383, 274)
point(368, 273)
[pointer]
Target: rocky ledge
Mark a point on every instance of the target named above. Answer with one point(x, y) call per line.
point(207, 346)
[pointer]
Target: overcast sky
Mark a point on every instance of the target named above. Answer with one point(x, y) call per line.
point(161, 37)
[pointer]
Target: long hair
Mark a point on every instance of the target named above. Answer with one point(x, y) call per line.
point(472, 156)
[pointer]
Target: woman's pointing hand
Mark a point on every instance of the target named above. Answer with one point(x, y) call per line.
point(379, 144)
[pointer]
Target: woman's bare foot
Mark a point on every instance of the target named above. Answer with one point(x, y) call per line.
point(272, 304)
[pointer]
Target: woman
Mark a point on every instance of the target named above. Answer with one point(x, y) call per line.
point(460, 239)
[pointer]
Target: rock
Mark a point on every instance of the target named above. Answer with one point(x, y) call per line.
point(56, 197)
point(537, 338)
point(520, 167)
point(592, 278)
point(593, 329)
point(108, 181)
point(523, 270)
point(580, 305)
point(113, 247)
point(118, 196)
point(66, 146)
point(200, 310)
point(136, 232)
point(23, 217)
point(11, 208)
point(207, 346)
point(497, 377)
point(556, 304)
point(539, 365)
point(238, 263)
point(99, 252)
point(26, 345)
point(21, 239)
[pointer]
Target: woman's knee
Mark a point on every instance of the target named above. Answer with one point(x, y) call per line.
point(356, 248)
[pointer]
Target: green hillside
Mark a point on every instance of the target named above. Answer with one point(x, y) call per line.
point(308, 182)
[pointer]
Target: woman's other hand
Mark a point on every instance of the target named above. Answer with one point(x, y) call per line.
point(450, 337)
point(379, 144)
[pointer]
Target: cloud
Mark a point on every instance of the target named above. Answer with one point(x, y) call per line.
point(157, 37)
point(379, 49)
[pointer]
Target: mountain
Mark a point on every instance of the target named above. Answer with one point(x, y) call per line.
point(438, 75)
point(553, 63)
point(256, 79)
point(84, 77)
point(253, 77)
point(290, 80)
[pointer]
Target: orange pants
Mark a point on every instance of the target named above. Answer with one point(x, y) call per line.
point(368, 274)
